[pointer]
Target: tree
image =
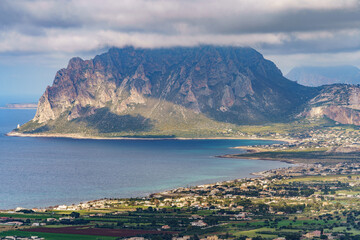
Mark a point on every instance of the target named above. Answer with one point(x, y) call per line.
point(75, 214)
point(293, 236)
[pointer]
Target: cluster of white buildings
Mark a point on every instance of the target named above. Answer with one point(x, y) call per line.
point(21, 238)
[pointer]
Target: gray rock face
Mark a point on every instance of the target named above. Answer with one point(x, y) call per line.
point(339, 102)
point(227, 84)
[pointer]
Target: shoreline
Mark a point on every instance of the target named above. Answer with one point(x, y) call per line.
point(77, 136)
point(253, 175)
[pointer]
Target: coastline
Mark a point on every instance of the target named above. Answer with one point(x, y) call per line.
point(254, 175)
point(78, 136)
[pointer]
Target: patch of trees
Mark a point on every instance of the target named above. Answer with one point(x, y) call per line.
point(293, 208)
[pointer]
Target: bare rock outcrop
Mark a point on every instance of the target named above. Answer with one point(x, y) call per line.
point(340, 102)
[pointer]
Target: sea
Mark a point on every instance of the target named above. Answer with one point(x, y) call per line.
point(42, 172)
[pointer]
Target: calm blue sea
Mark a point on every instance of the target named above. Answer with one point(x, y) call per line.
point(39, 172)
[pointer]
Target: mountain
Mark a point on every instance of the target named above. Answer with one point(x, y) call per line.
point(318, 76)
point(338, 102)
point(167, 91)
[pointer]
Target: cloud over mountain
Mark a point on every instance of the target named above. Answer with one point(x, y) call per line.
point(43, 35)
point(75, 26)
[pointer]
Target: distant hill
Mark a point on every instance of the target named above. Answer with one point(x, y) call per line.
point(318, 76)
point(20, 106)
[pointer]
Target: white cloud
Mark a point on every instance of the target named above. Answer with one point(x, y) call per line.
point(68, 41)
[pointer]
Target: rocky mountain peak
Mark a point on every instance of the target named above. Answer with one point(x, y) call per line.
point(223, 84)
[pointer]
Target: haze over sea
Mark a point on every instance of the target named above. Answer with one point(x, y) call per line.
point(40, 172)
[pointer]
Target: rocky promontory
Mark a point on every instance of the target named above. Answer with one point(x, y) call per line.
point(206, 89)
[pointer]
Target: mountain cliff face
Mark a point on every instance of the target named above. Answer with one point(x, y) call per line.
point(155, 89)
point(339, 102)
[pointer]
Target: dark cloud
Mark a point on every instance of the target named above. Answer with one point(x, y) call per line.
point(9, 15)
point(36, 14)
point(317, 42)
point(198, 16)
point(287, 22)
point(273, 27)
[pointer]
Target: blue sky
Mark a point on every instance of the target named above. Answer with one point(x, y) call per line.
point(29, 79)
point(38, 37)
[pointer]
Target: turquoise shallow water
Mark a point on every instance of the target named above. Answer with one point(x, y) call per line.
point(38, 172)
